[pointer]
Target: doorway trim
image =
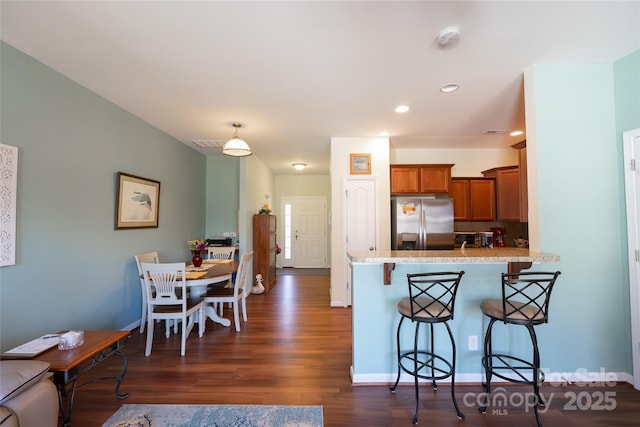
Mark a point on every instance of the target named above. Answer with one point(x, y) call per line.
point(631, 143)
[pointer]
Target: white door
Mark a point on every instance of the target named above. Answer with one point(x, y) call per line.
point(361, 219)
point(305, 232)
point(632, 189)
point(310, 232)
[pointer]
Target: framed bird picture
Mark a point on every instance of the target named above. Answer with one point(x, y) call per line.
point(138, 202)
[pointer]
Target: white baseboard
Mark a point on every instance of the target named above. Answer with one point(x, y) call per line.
point(579, 377)
point(132, 326)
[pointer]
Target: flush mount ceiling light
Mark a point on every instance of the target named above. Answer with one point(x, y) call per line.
point(299, 166)
point(402, 109)
point(516, 133)
point(235, 146)
point(448, 36)
point(452, 87)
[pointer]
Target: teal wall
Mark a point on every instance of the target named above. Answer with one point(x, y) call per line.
point(73, 270)
point(581, 111)
point(581, 217)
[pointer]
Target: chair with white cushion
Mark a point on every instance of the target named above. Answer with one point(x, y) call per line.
point(150, 257)
point(237, 295)
point(167, 299)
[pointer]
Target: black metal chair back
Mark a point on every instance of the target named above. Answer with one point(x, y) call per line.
point(526, 295)
point(433, 295)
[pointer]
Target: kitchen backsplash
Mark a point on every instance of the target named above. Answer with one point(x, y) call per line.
point(515, 230)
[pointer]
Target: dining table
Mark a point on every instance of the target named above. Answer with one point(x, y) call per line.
point(210, 272)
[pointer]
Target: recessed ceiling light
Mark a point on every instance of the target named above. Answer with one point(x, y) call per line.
point(383, 134)
point(516, 133)
point(452, 87)
point(299, 166)
point(402, 109)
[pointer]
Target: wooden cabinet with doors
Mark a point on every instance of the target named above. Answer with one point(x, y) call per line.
point(507, 191)
point(264, 249)
point(420, 179)
point(474, 199)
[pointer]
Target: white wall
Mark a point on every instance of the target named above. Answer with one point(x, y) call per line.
point(340, 168)
point(256, 180)
point(467, 162)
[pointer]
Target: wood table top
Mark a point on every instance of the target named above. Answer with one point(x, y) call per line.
point(94, 342)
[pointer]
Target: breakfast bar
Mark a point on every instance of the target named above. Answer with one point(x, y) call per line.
point(379, 281)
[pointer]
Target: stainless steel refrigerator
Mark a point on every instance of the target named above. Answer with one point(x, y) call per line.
point(419, 223)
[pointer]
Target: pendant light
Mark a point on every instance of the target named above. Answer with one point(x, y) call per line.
point(235, 146)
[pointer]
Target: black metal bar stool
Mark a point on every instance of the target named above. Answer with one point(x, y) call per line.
point(525, 302)
point(431, 300)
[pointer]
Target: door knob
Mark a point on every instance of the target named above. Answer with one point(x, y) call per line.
point(371, 248)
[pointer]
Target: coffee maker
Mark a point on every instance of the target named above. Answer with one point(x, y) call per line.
point(499, 234)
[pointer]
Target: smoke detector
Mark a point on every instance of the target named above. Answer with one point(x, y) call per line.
point(448, 36)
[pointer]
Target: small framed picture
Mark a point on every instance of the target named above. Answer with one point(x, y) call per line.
point(360, 164)
point(138, 202)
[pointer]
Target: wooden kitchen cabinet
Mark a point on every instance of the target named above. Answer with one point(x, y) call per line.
point(507, 191)
point(264, 248)
point(474, 199)
point(420, 179)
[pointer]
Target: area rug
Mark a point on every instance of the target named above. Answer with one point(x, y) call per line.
point(216, 416)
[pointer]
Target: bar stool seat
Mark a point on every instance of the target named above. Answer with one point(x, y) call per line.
point(525, 302)
point(431, 301)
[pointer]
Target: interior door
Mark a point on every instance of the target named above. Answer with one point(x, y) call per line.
point(632, 190)
point(361, 220)
point(310, 232)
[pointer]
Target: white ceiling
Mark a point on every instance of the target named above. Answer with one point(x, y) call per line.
point(297, 73)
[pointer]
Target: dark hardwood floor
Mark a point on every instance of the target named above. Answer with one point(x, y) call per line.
point(296, 350)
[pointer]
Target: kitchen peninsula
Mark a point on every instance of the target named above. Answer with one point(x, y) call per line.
point(379, 281)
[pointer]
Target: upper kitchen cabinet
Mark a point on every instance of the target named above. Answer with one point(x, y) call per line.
point(420, 179)
point(507, 191)
point(474, 199)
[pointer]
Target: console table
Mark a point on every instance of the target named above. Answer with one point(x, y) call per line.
point(68, 365)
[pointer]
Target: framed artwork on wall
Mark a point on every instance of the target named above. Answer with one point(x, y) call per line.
point(138, 202)
point(8, 200)
point(360, 163)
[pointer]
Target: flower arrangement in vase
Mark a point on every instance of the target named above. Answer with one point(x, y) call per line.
point(265, 209)
point(196, 247)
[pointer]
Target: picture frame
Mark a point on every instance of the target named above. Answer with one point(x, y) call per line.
point(360, 163)
point(8, 196)
point(138, 202)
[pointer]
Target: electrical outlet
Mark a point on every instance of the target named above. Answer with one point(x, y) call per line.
point(225, 234)
point(232, 234)
point(473, 342)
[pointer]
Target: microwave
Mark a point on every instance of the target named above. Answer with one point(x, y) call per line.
point(470, 238)
point(474, 239)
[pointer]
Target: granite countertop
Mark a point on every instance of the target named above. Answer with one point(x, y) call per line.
point(456, 256)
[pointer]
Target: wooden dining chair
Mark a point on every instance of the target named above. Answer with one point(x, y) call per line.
point(220, 252)
point(237, 295)
point(167, 299)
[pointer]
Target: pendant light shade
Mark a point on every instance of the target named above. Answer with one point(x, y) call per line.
point(235, 146)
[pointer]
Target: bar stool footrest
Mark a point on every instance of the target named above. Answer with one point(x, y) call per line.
point(428, 361)
point(508, 365)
